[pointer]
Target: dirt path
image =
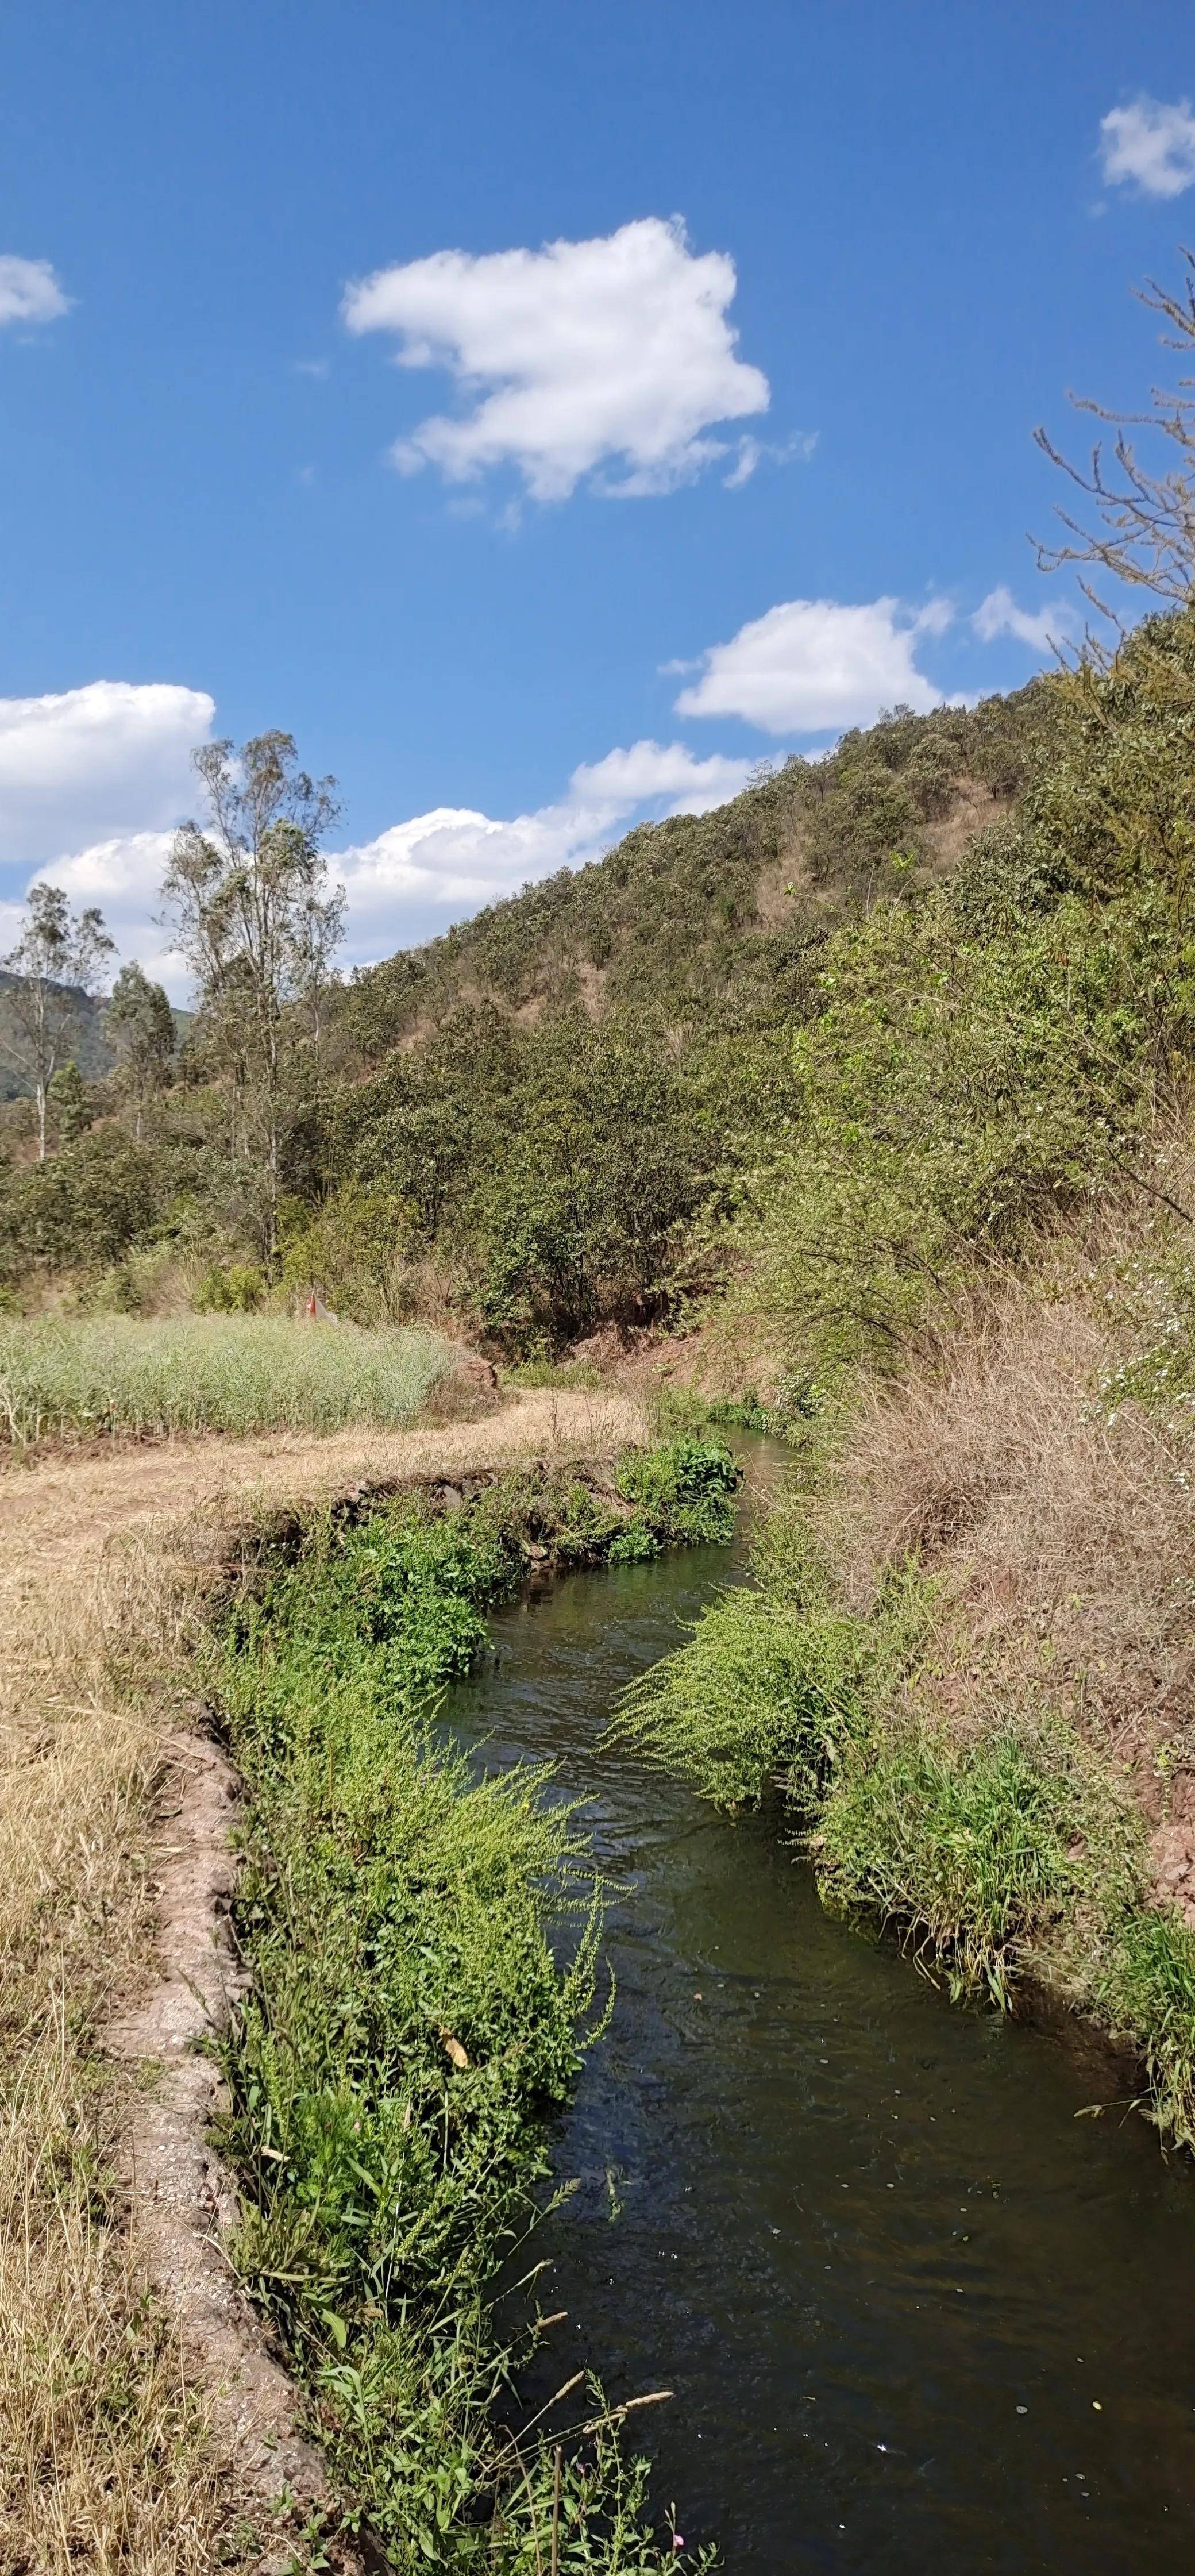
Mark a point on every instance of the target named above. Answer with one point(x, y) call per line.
point(57, 1516)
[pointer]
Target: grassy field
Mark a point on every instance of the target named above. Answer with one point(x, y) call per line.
point(114, 1375)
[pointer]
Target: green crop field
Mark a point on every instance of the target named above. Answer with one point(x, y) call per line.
point(117, 1376)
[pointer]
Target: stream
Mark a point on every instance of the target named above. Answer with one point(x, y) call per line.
point(915, 2308)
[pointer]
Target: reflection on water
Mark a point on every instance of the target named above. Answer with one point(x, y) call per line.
point(916, 2310)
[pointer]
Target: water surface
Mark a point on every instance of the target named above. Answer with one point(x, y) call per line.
point(889, 2270)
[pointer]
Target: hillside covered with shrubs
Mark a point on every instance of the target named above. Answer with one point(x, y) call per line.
point(538, 1123)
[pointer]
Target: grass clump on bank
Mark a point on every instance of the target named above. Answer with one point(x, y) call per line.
point(113, 1375)
point(413, 2025)
point(1010, 1852)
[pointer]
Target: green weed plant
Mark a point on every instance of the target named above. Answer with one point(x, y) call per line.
point(424, 1953)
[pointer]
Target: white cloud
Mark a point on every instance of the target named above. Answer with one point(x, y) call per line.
point(79, 767)
point(30, 291)
point(613, 355)
point(756, 451)
point(421, 875)
point(1041, 629)
point(123, 876)
point(810, 665)
point(1150, 144)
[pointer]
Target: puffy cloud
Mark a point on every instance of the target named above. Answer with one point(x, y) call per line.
point(812, 665)
point(650, 769)
point(999, 614)
point(110, 758)
point(1151, 145)
point(611, 356)
point(29, 291)
point(123, 876)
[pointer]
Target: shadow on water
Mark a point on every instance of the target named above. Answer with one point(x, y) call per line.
point(915, 2309)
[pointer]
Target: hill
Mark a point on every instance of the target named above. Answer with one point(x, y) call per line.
point(90, 1048)
point(716, 911)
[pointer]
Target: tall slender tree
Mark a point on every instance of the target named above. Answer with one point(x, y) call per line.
point(249, 900)
point(57, 963)
point(140, 1024)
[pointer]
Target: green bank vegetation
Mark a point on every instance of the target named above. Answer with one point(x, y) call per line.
point(424, 1955)
point(1002, 1857)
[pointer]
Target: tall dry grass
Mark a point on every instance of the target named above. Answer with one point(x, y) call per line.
point(1058, 1512)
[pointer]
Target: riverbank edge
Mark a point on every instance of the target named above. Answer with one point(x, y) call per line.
point(1011, 1861)
point(112, 2439)
point(388, 1593)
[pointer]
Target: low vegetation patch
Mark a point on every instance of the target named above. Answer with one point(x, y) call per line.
point(963, 1804)
point(113, 1375)
point(418, 2010)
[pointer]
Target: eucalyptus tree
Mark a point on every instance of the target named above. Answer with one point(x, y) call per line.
point(248, 898)
point(140, 1025)
point(57, 963)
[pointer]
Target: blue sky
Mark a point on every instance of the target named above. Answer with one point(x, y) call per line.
point(586, 552)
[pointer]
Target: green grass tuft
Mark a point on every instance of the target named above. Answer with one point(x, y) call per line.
point(768, 1694)
point(1148, 1990)
point(984, 1850)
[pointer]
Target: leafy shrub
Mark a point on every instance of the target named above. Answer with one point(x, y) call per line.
point(355, 1250)
point(236, 1289)
point(683, 1490)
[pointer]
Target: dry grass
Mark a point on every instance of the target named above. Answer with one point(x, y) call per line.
point(107, 2461)
point(1060, 1520)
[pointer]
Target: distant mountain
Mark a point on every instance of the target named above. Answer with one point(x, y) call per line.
point(88, 1046)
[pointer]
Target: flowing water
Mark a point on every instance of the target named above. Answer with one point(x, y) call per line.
point(917, 2310)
